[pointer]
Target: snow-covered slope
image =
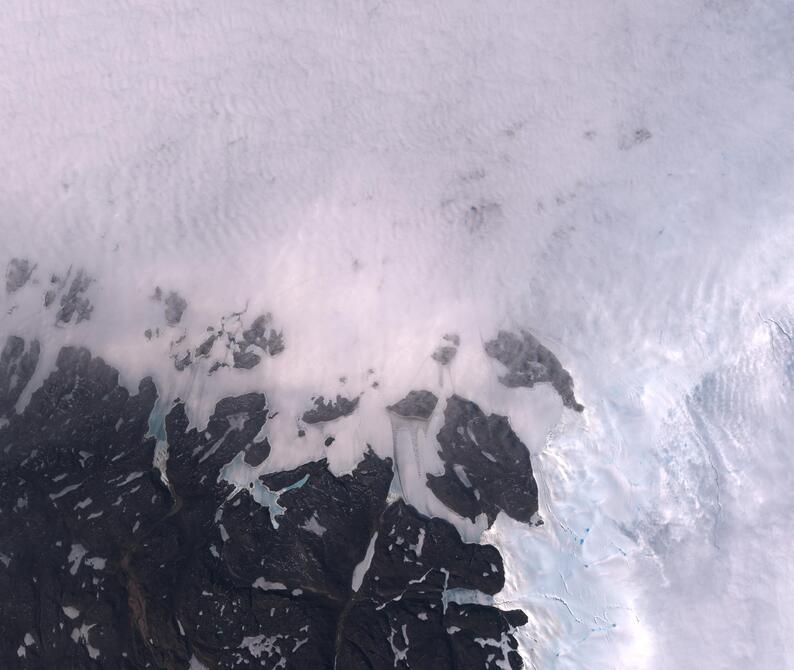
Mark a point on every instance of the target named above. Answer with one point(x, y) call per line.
point(615, 177)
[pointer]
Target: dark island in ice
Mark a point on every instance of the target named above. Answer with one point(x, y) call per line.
point(323, 410)
point(18, 273)
point(528, 363)
point(486, 467)
point(415, 405)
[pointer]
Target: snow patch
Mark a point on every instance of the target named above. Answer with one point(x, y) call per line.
point(362, 568)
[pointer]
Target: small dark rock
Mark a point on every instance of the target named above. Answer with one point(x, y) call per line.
point(416, 405)
point(175, 306)
point(217, 365)
point(445, 354)
point(183, 362)
point(275, 343)
point(256, 453)
point(330, 410)
point(246, 359)
point(73, 302)
point(258, 328)
point(261, 334)
point(18, 273)
point(206, 346)
point(49, 297)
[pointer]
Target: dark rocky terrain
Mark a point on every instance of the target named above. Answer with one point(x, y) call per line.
point(227, 344)
point(18, 273)
point(73, 301)
point(106, 563)
point(415, 405)
point(486, 467)
point(528, 363)
point(323, 410)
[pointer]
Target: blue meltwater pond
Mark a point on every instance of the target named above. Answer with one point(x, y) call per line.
point(245, 478)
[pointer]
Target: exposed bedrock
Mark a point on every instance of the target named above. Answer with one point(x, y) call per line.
point(528, 363)
point(415, 405)
point(76, 492)
point(263, 335)
point(329, 410)
point(402, 615)
point(18, 273)
point(104, 564)
point(74, 304)
point(486, 466)
point(246, 359)
point(175, 306)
